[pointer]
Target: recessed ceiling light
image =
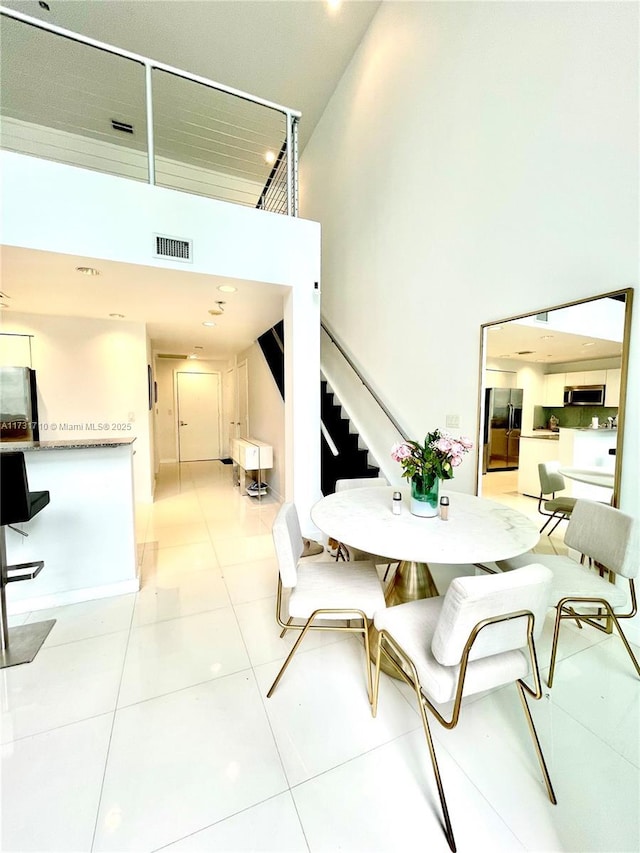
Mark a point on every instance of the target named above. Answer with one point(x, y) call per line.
point(208, 323)
point(198, 347)
point(589, 344)
point(88, 270)
point(495, 328)
point(227, 288)
point(117, 316)
point(193, 355)
point(334, 5)
point(269, 157)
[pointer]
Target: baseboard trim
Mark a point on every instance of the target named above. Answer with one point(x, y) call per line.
point(74, 596)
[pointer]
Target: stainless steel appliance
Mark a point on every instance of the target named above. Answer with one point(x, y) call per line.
point(584, 395)
point(502, 425)
point(18, 404)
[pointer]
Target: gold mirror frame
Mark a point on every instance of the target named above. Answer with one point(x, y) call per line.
point(624, 365)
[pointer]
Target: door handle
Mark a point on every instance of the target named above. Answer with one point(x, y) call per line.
point(182, 423)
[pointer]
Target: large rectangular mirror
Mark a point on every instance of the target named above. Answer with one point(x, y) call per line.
point(553, 390)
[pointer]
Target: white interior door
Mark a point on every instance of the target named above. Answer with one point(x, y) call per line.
point(243, 399)
point(198, 416)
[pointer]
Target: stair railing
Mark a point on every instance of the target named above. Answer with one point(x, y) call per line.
point(336, 342)
point(325, 434)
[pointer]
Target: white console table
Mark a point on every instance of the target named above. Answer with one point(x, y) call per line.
point(250, 454)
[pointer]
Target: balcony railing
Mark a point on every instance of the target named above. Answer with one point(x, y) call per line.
point(73, 99)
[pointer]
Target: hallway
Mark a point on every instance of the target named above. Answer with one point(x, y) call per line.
point(143, 724)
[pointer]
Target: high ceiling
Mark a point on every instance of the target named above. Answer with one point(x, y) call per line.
point(291, 52)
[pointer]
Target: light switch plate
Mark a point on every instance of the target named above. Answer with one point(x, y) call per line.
point(453, 421)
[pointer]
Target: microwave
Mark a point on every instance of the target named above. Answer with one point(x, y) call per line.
point(584, 395)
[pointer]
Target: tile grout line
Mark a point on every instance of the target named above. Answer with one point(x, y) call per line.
point(113, 722)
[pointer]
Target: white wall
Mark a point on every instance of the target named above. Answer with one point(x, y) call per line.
point(91, 372)
point(266, 414)
point(477, 161)
point(59, 208)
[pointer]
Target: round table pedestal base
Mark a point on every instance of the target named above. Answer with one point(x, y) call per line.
point(411, 581)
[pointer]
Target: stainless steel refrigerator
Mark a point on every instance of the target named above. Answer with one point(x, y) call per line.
point(502, 425)
point(18, 404)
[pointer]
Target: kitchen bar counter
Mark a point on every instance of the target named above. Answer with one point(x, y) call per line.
point(63, 444)
point(588, 449)
point(86, 534)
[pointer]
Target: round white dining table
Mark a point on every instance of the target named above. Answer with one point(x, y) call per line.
point(476, 531)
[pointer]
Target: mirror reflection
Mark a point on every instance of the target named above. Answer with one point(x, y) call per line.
point(552, 393)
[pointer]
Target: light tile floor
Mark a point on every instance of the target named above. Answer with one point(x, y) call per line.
point(143, 724)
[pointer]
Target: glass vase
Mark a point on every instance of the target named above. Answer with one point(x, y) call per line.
point(424, 501)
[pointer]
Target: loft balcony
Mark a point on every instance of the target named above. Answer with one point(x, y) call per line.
point(78, 101)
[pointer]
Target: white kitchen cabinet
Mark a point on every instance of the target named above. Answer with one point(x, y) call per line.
point(553, 389)
point(586, 377)
point(532, 452)
point(612, 392)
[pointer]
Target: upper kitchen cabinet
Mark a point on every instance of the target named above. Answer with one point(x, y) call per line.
point(612, 390)
point(586, 377)
point(553, 389)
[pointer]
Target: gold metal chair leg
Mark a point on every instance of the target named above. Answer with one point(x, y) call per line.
point(367, 661)
point(448, 829)
point(289, 656)
point(554, 645)
point(284, 630)
point(376, 682)
point(634, 660)
point(536, 743)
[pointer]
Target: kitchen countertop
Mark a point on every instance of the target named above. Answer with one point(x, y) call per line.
point(601, 430)
point(545, 434)
point(64, 444)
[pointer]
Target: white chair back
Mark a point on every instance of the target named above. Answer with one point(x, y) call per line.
point(470, 600)
point(287, 539)
point(606, 535)
point(551, 480)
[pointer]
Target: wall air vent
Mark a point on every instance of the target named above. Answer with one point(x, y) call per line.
point(173, 247)
point(170, 355)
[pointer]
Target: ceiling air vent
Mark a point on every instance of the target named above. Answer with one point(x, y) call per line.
point(174, 248)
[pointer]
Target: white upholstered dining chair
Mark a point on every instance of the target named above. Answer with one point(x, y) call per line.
point(479, 636)
point(609, 539)
point(324, 590)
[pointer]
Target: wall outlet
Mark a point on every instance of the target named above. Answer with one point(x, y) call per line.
point(132, 417)
point(453, 421)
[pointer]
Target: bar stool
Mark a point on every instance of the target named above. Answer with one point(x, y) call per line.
point(18, 504)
